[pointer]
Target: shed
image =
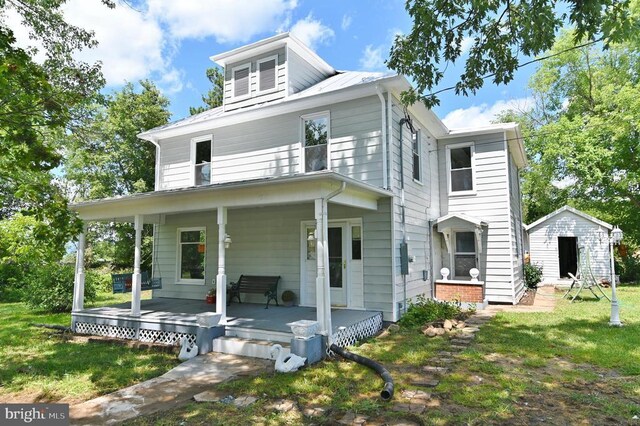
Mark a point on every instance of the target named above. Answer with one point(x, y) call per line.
point(557, 240)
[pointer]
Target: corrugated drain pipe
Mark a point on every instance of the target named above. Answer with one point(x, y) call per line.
point(387, 391)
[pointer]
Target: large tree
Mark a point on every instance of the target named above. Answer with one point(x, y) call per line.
point(213, 98)
point(583, 138)
point(499, 32)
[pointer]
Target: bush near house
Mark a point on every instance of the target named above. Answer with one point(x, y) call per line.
point(532, 275)
point(50, 287)
point(425, 310)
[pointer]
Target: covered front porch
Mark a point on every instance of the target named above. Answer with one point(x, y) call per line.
point(227, 214)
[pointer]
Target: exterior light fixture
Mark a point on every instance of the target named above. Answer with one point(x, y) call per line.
point(614, 239)
point(227, 240)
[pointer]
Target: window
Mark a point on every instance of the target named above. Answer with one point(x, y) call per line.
point(201, 160)
point(465, 254)
point(461, 168)
point(315, 129)
point(311, 243)
point(267, 74)
point(356, 243)
point(192, 250)
point(416, 154)
point(241, 77)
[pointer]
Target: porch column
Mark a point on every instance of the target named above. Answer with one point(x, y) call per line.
point(221, 278)
point(78, 283)
point(323, 295)
point(136, 283)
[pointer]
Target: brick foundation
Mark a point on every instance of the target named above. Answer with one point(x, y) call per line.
point(463, 292)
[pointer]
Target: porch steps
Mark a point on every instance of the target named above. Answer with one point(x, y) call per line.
point(257, 334)
point(246, 347)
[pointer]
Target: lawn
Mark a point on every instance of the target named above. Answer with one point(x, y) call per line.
point(565, 367)
point(37, 365)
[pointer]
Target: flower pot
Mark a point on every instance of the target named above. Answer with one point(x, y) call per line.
point(211, 300)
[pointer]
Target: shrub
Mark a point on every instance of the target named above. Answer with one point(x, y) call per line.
point(628, 267)
point(50, 287)
point(532, 275)
point(425, 310)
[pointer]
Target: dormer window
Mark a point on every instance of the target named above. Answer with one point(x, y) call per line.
point(315, 138)
point(201, 160)
point(241, 76)
point(267, 74)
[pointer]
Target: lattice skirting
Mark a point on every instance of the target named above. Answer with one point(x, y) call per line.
point(143, 335)
point(350, 335)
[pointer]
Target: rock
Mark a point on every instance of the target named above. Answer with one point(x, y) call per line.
point(460, 324)
point(434, 369)
point(315, 412)
point(244, 401)
point(426, 383)
point(470, 329)
point(282, 405)
point(393, 328)
point(440, 331)
point(209, 396)
point(351, 418)
point(415, 394)
point(430, 331)
point(448, 325)
point(412, 408)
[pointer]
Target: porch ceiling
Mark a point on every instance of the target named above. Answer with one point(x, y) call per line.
point(254, 193)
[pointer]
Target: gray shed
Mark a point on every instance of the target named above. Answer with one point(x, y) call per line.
point(556, 241)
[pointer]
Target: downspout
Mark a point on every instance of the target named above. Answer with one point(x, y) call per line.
point(402, 212)
point(154, 141)
point(390, 143)
point(325, 226)
point(384, 138)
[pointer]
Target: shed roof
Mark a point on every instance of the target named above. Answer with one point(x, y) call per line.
point(572, 210)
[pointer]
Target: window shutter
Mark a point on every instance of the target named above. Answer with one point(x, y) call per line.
point(268, 75)
point(241, 82)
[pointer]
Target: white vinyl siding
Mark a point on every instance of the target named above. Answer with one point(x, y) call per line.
point(543, 244)
point(489, 202)
point(271, 147)
point(302, 74)
point(266, 243)
point(517, 249)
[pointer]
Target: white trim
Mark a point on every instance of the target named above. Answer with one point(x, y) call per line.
point(179, 279)
point(311, 116)
point(233, 96)
point(473, 168)
point(192, 156)
point(275, 75)
point(418, 135)
point(512, 222)
point(572, 210)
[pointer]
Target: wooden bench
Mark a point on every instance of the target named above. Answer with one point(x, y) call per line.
point(256, 284)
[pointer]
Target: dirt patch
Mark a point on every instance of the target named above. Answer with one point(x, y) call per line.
point(528, 298)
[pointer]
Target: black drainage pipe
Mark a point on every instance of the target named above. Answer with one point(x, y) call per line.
point(387, 391)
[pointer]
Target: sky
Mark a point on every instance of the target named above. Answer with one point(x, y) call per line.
point(170, 42)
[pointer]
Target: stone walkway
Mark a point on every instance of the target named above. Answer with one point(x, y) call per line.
point(171, 389)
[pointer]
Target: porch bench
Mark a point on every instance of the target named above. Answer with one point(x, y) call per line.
point(256, 284)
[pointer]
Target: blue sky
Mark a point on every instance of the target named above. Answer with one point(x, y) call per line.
point(170, 42)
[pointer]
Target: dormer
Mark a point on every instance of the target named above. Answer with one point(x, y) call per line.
point(269, 69)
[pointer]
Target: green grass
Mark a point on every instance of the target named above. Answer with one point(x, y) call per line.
point(36, 364)
point(566, 367)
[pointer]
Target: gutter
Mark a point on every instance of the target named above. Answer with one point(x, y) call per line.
point(384, 137)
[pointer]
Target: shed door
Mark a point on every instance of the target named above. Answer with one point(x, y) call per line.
point(567, 255)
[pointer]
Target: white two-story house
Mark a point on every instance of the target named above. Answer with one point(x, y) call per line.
point(323, 178)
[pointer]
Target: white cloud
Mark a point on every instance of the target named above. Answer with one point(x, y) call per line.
point(484, 114)
point(130, 45)
point(346, 22)
point(466, 44)
point(171, 81)
point(226, 20)
point(372, 58)
point(13, 20)
point(312, 32)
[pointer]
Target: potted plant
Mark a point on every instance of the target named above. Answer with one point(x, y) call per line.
point(288, 298)
point(211, 296)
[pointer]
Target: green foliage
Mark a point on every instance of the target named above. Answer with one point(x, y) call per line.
point(214, 96)
point(628, 267)
point(50, 287)
point(425, 310)
point(500, 31)
point(532, 275)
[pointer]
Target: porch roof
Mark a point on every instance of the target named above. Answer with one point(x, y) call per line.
point(250, 193)
point(458, 220)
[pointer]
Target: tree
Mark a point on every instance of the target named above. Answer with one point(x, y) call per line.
point(500, 32)
point(584, 140)
point(214, 96)
point(105, 158)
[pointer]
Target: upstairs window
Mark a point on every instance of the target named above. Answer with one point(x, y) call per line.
point(267, 74)
point(415, 137)
point(201, 160)
point(464, 258)
point(315, 134)
point(461, 169)
point(241, 77)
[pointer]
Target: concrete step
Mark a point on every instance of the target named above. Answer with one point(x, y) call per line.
point(246, 347)
point(256, 334)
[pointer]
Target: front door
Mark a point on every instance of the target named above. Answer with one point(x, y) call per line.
point(337, 265)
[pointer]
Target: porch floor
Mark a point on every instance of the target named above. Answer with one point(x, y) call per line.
point(241, 315)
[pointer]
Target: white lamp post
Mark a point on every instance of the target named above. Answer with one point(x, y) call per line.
point(614, 238)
